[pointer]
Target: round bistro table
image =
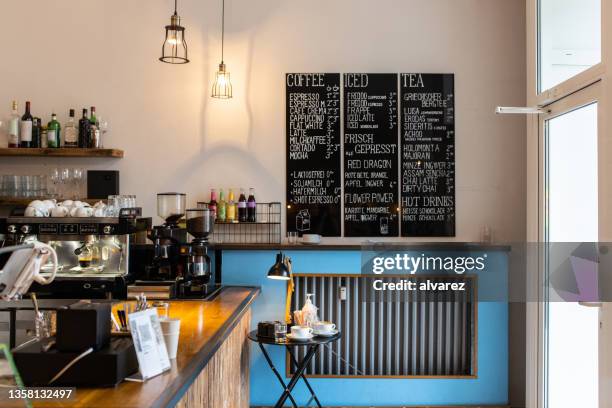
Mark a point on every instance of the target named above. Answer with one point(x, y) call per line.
point(312, 347)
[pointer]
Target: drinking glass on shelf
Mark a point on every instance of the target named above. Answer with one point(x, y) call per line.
point(103, 128)
point(292, 237)
point(54, 178)
point(77, 182)
point(65, 181)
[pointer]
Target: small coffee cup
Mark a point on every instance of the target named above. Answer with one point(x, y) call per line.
point(301, 331)
point(60, 211)
point(35, 212)
point(83, 212)
point(324, 327)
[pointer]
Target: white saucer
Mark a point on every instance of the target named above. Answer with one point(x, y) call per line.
point(291, 337)
point(326, 334)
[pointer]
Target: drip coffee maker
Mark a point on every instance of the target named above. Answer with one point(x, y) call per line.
point(198, 279)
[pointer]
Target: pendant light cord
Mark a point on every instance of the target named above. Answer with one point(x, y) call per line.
point(222, 27)
point(175, 7)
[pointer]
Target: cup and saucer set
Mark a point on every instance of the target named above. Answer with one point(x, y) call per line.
point(305, 333)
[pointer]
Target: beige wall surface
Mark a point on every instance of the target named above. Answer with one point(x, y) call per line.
point(65, 54)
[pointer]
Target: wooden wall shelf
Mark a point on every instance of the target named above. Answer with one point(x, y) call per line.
point(61, 152)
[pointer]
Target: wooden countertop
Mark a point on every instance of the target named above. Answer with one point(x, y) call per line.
point(204, 326)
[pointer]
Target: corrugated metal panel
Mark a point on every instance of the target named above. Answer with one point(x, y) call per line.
point(401, 334)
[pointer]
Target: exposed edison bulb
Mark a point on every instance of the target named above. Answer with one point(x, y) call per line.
point(174, 38)
point(222, 88)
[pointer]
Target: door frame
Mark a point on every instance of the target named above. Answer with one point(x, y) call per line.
point(592, 85)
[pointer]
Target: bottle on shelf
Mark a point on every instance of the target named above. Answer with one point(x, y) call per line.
point(251, 206)
point(212, 204)
point(25, 129)
point(13, 127)
point(94, 129)
point(242, 207)
point(230, 212)
point(84, 130)
point(36, 133)
point(71, 132)
point(44, 140)
point(221, 207)
point(53, 132)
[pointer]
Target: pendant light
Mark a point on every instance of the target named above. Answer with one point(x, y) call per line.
point(174, 49)
point(222, 88)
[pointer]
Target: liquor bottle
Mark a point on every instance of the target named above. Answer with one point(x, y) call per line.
point(25, 130)
point(94, 129)
point(242, 207)
point(53, 132)
point(71, 132)
point(13, 127)
point(221, 207)
point(251, 206)
point(36, 132)
point(84, 130)
point(230, 212)
point(43, 136)
point(212, 204)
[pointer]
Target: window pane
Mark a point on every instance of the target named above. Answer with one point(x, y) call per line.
point(572, 329)
point(570, 39)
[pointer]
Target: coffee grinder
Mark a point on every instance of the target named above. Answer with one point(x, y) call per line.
point(168, 238)
point(198, 280)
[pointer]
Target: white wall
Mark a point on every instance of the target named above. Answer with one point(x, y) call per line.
point(70, 53)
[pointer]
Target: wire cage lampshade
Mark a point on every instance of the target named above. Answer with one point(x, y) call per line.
point(174, 49)
point(222, 87)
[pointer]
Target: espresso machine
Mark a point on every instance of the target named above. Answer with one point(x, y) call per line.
point(93, 252)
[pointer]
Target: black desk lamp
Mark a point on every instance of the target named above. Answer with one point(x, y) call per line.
point(282, 270)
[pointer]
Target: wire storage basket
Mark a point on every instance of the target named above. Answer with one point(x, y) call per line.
point(265, 230)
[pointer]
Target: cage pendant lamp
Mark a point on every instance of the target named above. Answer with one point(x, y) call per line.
point(174, 49)
point(222, 87)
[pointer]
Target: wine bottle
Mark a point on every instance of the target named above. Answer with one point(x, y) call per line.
point(25, 130)
point(70, 131)
point(230, 212)
point(36, 132)
point(212, 204)
point(221, 207)
point(251, 206)
point(84, 130)
point(53, 132)
point(13, 127)
point(94, 129)
point(242, 207)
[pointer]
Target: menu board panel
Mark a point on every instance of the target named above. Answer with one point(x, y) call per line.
point(313, 153)
point(427, 154)
point(370, 155)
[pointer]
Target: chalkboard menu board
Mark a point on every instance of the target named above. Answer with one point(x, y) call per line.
point(313, 153)
point(370, 155)
point(427, 154)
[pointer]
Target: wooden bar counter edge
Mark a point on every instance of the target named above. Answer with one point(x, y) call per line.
point(211, 368)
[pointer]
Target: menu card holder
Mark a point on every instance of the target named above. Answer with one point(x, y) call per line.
point(149, 344)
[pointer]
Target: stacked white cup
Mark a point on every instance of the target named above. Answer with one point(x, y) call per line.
point(171, 328)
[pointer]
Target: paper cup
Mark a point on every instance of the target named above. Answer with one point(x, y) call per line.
point(171, 340)
point(170, 325)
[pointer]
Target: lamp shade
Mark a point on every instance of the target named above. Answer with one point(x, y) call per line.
point(174, 49)
point(279, 270)
point(222, 88)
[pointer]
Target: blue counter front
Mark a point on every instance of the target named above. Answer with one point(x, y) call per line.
point(490, 387)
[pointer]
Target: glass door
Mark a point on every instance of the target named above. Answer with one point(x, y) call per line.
point(571, 329)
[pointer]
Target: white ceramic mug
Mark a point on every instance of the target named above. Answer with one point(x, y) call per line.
point(49, 204)
point(67, 203)
point(301, 331)
point(60, 211)
point(324, 327)
point(83, 211)
point(36, 212)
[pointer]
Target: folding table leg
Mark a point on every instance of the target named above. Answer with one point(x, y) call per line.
point(280, 379)
point(304, 377)
point(300, 371)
